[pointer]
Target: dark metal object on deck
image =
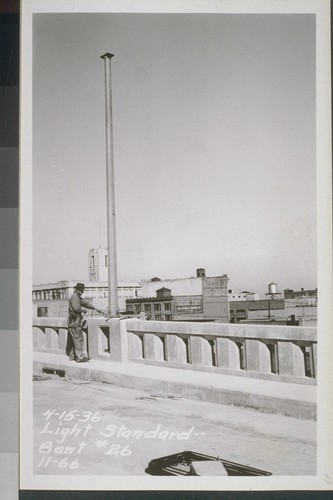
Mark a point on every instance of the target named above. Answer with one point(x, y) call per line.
point(179, 464)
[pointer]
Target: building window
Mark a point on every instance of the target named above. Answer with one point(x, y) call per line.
point(92, 262)
point(147, 308)
point(167, 306)
point(158, 317)
point(106, 260)
point(42, 312)
point(157, 307)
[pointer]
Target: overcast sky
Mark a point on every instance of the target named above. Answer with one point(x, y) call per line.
point(214, 146)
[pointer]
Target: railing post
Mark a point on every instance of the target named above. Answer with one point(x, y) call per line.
point(118, 340)
point(93, 338)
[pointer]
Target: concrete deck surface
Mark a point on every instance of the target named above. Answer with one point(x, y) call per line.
point(86, 427)
point(291, 399)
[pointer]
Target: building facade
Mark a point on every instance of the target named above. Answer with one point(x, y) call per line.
point(51, 299)
point(245, 295)
point(277, 311)
point(185, 299)
point(288, 293)
point(159, 308)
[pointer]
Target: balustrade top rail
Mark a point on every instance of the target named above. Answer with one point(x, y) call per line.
point(265, 332)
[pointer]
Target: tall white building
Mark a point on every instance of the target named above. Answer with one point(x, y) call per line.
point(98, 264)
point(51, 299)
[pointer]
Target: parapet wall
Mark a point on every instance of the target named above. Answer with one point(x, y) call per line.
point(282, 353)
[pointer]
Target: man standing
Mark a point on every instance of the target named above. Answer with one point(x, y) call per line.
point(76, 308)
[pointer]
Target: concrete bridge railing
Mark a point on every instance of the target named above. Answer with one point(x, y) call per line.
point(275, 352)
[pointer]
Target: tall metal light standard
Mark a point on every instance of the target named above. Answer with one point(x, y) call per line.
point(111, 208)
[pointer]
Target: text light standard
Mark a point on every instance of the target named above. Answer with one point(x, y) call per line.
point(110, 192)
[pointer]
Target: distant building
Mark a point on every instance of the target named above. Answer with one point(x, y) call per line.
point(98, 264)
point(288, 293)
point(242, 295)
point(186, 299)
point(159, 308)
point(51, 299)
point(243, 310)
point(296, 308)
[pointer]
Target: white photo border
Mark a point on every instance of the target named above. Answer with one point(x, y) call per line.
point(323, 479)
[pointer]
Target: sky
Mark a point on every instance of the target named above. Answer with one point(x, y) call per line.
point(214, 146)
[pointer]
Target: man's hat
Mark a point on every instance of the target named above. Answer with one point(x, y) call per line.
point(79, 286)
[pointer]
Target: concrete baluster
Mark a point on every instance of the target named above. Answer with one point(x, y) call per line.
point(35, 337)
point(206, 350)
point(153, 347)
point(291, 359)
point(176, 349)
point(41, 338)
point(51, 339)
point(257, 356)
point(62, 339)
point(198, 351)
point(298, 361)
point(55, 339)
point(227, 353)
point(135, 346)
point(47, 333)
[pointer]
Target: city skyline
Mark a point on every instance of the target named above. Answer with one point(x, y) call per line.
point(214, 137)
point(121, 283)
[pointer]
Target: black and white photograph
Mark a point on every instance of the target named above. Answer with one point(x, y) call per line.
point(175, 193)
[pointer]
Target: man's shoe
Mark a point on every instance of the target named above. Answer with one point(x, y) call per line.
point(82, 360)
